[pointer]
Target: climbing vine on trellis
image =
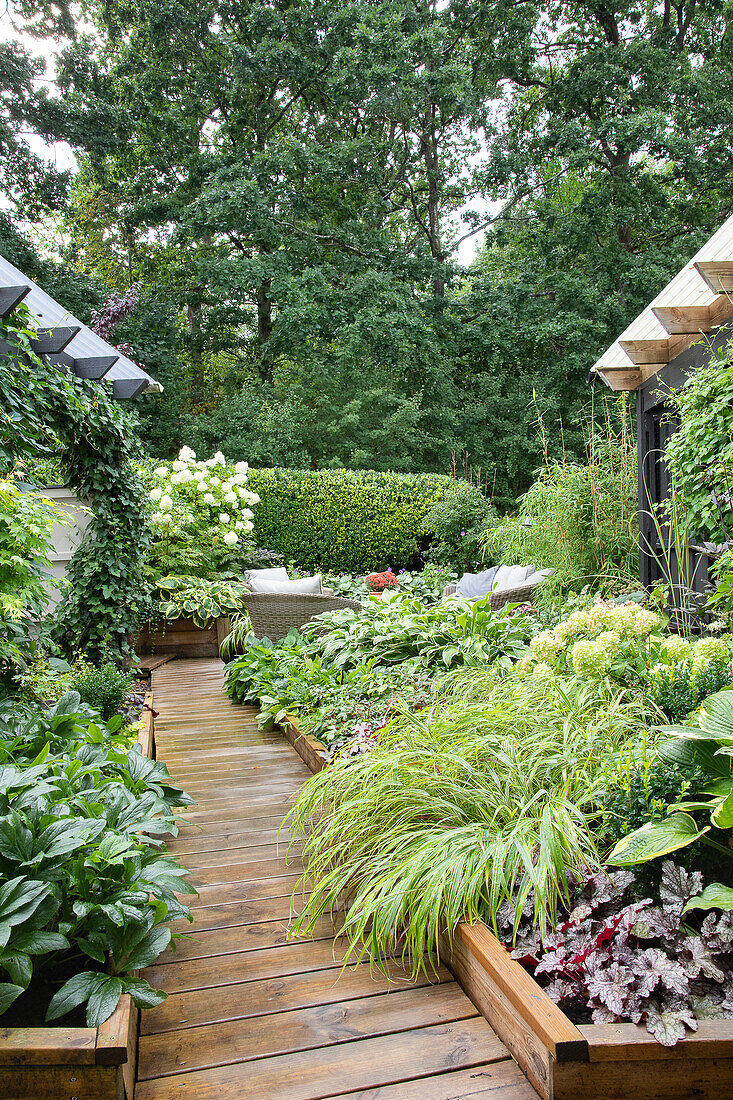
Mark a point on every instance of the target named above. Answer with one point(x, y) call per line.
point(41, 404)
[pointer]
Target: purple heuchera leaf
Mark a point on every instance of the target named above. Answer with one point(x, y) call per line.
point(653, 966)
point(612, 987)
point(697, 960)
point(666, 1020)
point(678, 885)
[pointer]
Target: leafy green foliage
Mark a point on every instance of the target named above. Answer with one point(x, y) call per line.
point(25, 527)
point(427, 584)
point(679, 689)
point(42, 406)
point(459, 808)
point(700, 453)
point(448, 635)
point(579, 520)
point(457, 525)
point(80, 822)
point(201, 600)
point(706, 747)
point(104, 689)
point(347, 521)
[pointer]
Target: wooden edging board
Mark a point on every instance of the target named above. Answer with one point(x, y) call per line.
point(46, 1063)
point(562, 1060)
point(183, 638)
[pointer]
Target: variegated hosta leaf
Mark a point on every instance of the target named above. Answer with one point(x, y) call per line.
point(655, 839)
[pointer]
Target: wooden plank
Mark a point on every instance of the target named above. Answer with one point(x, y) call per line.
point(60, 1083)
point(683, 319)
point(296, 957)
point(149, 663)
point(233, 915)
point(496, 1081)
point(265, 996)
point(234, 894)
point(255, 871)
point(228, 941)
point(652, 1079)
point(228, 1042)
point(114, 1034)
point(226, 840)
point(534, 1029)
point(311, 751)
point(365, 1063)
point(718, 274)
point(631, 1043)
point(47, 1046)
point(241, 855)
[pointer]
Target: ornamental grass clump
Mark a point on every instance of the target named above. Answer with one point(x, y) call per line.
point(490, 796)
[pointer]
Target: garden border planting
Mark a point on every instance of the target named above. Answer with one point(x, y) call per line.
point(562, 1060)
point(85, 1063)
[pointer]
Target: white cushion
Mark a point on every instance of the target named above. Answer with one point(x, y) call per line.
point(511, 576)
point(266, 575)
point(305, 585)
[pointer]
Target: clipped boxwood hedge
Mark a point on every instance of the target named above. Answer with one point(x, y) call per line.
point(341, 520)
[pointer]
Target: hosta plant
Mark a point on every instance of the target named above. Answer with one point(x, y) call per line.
point(86, 889)
point(708, 747)
point(200, 600)
point(623, 959)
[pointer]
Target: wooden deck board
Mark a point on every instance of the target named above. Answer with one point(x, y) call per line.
point(250, 1012)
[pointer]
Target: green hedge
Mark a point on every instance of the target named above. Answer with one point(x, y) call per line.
point(344, 521)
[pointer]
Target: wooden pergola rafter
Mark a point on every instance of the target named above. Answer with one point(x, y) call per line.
point(697, 301)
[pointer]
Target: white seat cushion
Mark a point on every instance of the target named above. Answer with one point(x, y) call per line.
point(262, 575)
point(311, 586)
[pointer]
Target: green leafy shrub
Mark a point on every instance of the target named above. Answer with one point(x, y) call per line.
point(457, 524)
point(700, 452)
point(347, 521)
point(639, 791)
point(679, 689)
point(85, 890)
point(444, 636)
point(201, 516)
point(578, 520)
point(104, 689)
point(25, 543)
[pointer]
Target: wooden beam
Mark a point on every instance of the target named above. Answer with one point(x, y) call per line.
point(718, 274)
point(620, 379)
point(10, 296)
point(647, 352)
point(50, 341)
point(684, 319)
point(94, 367)
point(125, 388)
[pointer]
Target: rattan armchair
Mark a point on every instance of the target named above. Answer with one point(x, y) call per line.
point(273, 614)
point(522, 594)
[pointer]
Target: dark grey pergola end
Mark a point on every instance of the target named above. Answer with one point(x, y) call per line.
point(10, 297)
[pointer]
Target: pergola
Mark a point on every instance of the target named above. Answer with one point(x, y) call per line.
point(66, 342)
point(678, 332)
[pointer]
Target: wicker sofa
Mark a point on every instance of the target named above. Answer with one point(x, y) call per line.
point(501, 594)
point(273, 614)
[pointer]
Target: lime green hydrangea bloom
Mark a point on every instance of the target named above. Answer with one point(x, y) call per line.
point(645, 622)
point(675, 649)
point(594, 656)
point(545, 646)
point(706, 650)
point(543, 671)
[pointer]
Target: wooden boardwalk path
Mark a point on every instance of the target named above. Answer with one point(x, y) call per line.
point(249, 1012)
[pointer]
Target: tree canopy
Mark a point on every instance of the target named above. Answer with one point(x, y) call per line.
point(291, 184)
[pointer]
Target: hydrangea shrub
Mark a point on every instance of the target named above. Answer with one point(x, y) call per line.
point(202, 518)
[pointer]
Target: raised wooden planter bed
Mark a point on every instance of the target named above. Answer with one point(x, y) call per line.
point(562, 1060)
point(183, 638)
point(76, 1063)
point(585, 1062)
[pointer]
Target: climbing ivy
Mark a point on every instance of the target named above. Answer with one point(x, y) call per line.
point(42, 407)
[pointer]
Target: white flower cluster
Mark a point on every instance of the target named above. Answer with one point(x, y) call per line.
point(189, 487)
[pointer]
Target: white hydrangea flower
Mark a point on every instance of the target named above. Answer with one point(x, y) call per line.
point(219, 459)
point(238, 479)
point(178, 465)
point(161, 471)
point(209, 499)
point(201, 486)
point(241, 467)
point(250, 497)
point(166, 503)
point(247, 513)
point(156, 517)
point(224, 517)
point(239, 526)
point(247, 526)
point(231, 538)
point(155, 494)
point(187, 455)
point(185, 476)
point(166, 517)
point(230, 498)
point(215, 480)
